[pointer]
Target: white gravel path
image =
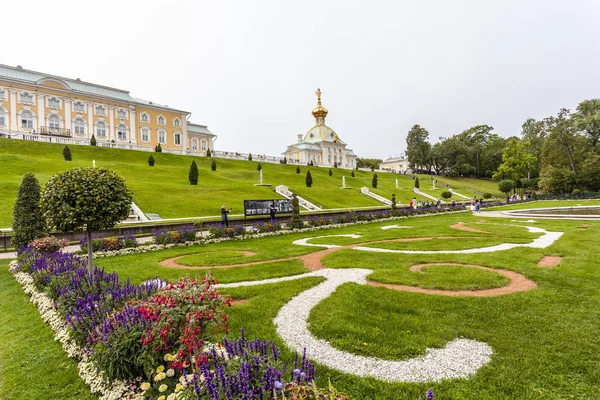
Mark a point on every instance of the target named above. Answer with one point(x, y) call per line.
point(385, 228)
point(460, 358)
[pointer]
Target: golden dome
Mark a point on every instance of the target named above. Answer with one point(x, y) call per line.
point(319, 111)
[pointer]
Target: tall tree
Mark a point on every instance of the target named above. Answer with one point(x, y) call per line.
point(515, 161)
point(561, 139)
point(477, 137)
point(533, 132)
point(418, 148)
point(587, 120)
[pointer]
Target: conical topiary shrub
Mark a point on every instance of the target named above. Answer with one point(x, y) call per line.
point(151, 161)
point(193, 175)
point(213, 165)
point(308, 179)
point(28, 222)
point(67, 154)
point(93, 140)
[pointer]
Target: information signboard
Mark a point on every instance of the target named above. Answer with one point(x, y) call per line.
point(263, 207)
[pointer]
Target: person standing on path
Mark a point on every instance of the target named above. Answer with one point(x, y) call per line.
point(224, 219)
point(272, 211)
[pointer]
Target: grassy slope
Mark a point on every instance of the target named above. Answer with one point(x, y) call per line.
point(164, 188)
point(32, 365)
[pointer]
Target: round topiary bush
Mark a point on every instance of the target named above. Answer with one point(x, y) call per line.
point(487, 195)
point(446, 194)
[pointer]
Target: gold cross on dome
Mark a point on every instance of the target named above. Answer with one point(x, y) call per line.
point(318, 93)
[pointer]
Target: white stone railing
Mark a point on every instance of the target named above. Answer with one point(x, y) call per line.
point(365, 190)
point(307, 205)
point(417, 191)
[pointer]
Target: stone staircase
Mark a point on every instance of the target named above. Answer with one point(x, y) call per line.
point(365, 190)
point(307, 205)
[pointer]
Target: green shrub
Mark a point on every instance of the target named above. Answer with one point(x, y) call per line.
point(309, 180)
point(330, 172)
point(335, 164)
point(193, 174)
point(577, 192)
point(249, 156)
point(487, 195)
point(417, 184)
point(259, 167)
point(28, 223)
point(352, 174)
point(506, 186)
point(446, 194)
point(208, 153)
point(374, 181)
point(298, 169)
point(93, 141)
point(213, 165)
point(151, 161)
point(158, 148)
point(67, 153)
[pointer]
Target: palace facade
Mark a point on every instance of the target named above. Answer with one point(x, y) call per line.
point(397, 164)
point(34, 104)
point(320, 145)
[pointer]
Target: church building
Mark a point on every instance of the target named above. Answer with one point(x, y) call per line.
point(320, 144)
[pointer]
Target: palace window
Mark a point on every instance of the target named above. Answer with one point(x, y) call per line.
point(26, 98)
point(144, 117)
point(176, 122)
point(121, 114)
point(26, 120)
point(2, 117)
point(101, 129)
point(100, 110)
point(162, 137)
point(145, 135)
point(194, 144)
point(53, 102)
point(177, 139)
point(121, 132)
point(161, 120)
point(203, 144)
point(2, 95)
point(79, 107)
point(79, 126)
point(54, 122)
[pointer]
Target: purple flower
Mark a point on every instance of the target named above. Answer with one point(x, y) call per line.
point(278, 385)
point(429, 394)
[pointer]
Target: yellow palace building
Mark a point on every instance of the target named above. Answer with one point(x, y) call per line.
point(39, 106)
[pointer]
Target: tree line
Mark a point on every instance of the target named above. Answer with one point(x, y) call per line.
point(557, 154)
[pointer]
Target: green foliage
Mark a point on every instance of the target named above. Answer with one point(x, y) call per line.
point(557, 180)
point(446, 194)
point(298, 169)
point(374, 181)
point(259, 167)
point(417, 184)
point(158, 148)
point(208, 153)
point(151, 161)
point(28, 223)
point(330, 172)
point(90, 198)
point(487, 195)
point(309, 180)
point(285, 160)
point(371, 163)
point(587, 120)
point(577, 192)
point(418, 148)
point(393, 201)
point(505, 186)
point(335, 164)
point(93, 141)
point(352, 174)
point(249, 156)
point(213, 165)
point(193, 174)
point(516, 160)
point(67, 154)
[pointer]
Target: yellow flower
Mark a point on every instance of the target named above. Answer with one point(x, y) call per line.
point(170, 372)
point(167, 357)
point(145, 386)
point(160, 369)
point(160, 376)
point(171, 396)
point(161, 398)
point(162, 388)
point(178, 387)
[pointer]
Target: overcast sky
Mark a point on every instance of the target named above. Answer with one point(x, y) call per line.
point(249, 69)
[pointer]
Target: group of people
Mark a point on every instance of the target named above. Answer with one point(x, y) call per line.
point(476, 204)
point(414, 203)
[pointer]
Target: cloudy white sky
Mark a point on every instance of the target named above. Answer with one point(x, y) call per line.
point(249, 69)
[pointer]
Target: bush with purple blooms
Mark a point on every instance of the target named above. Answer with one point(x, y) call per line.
point(184, 234)
point(218, 231)
point(109, 244)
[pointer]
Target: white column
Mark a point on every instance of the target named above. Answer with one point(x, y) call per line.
point(90, 129)
point(13, 111)
point(186, 144)
point(41, 112)
point(68, 122)
point(132, 127)
point(111, 128)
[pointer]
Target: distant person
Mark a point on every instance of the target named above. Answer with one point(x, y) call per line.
point(272, 211)
point(224, 219)
point(453, 203)
point(477, 206)
point(414, 202)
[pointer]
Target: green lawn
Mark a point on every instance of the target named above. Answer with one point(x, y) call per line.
point(164, 188)
point(545, 341)
point(32, 365)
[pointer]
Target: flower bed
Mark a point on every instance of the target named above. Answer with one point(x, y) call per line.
point(109, 244)
point(154, 340)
